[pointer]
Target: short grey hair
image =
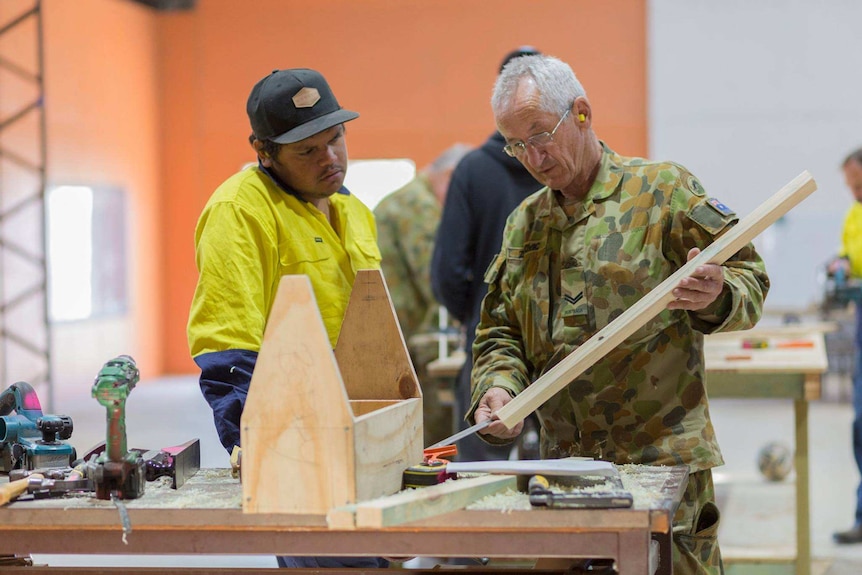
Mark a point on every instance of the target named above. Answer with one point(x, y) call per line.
point(558, 86)
point(449, 158)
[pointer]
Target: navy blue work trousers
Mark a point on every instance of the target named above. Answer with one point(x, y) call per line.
point(857, 409)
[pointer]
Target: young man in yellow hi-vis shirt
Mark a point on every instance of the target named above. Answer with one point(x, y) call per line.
point(849, 263)
point(289, 214)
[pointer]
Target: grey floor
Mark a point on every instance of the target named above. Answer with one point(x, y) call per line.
point(758, 516)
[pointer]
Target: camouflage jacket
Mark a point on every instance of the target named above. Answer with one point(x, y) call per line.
point(407, 221)
point(558, 280)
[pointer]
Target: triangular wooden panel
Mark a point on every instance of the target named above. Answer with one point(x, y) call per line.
point(297, 422)
point(371, 352)
point(304, 448)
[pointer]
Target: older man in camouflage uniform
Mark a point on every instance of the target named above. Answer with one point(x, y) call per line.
point(407, 221)
point(604, 231)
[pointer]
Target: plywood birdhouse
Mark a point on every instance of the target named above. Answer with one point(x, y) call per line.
point(322, 429)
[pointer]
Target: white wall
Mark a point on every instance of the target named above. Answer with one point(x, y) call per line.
point(748, 94)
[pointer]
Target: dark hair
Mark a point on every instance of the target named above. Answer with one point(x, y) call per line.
point(855, 156)
point(268, 147)
point(517, 53)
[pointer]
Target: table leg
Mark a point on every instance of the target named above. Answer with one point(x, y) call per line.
point(803, 526)
point(663, 544)
point(634, 552)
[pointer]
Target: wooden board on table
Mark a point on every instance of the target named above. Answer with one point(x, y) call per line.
point(416, 504)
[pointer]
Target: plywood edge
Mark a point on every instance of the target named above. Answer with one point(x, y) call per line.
point(654, 302)
point(415, 504)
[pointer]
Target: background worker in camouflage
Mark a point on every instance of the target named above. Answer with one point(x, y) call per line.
point(604, 231)
point(407, 221)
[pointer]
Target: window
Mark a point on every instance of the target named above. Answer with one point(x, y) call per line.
point(86, 252)
point(371, 180)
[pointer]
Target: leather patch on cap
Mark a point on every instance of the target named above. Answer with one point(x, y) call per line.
point(306, 98)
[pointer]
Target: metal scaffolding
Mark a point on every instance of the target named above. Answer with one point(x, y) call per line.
point(25, 337)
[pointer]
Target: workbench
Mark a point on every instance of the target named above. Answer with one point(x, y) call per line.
point(790, 367)
point(205, 517)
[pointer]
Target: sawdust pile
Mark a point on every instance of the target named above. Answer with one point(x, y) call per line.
point(207, 489)
point(643, 485)
point(504, 501)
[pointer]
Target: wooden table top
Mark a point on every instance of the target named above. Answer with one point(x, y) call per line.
point(205, 516)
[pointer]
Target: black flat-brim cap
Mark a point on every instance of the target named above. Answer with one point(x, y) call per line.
point(290, 105)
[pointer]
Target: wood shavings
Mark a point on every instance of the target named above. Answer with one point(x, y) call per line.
point(587, 484)
point(644, 486)
point(504, 501)
point(163, 482)
point(207, 489)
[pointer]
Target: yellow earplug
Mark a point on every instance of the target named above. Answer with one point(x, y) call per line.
point(581, 117)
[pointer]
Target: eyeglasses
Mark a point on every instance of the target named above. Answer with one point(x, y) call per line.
point(539, 141)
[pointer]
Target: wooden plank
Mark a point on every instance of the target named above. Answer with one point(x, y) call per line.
point(371, 352)
point(654, 302)
point(415, 504)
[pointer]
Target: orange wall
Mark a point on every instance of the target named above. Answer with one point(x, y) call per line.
point(154, 103)
point(101, 106)
point(420, 73)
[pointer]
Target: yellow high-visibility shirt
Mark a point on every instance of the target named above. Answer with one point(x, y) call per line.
point(851, 239)
point(250, 233)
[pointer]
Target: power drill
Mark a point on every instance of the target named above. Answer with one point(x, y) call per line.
point(29, 439)
point(841, 290)
point(117, 472)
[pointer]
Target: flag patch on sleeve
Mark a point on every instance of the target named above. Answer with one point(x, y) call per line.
point(720, 208)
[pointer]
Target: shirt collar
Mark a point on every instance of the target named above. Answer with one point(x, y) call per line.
point(609, 176)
